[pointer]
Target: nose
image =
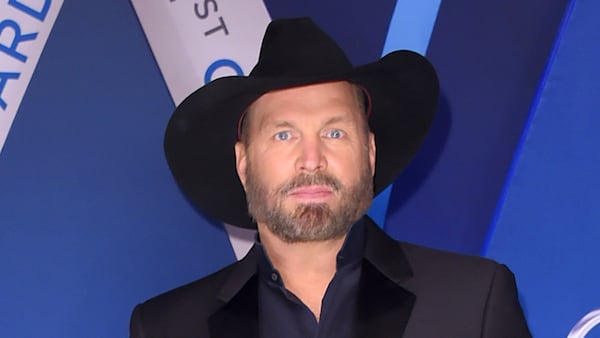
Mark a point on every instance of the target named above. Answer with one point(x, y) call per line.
point(312, 155)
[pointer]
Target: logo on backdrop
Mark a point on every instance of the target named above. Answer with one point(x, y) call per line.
point(585, 325)
point(24, 29)
point(195, 42)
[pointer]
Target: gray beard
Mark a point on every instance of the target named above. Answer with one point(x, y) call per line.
point(311, 221)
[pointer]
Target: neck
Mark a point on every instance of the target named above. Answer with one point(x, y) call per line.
point(314, 257)
point(306, 268)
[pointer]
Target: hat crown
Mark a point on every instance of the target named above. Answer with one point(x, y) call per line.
point(298, 48)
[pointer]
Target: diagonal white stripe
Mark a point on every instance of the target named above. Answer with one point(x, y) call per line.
point(24, 31)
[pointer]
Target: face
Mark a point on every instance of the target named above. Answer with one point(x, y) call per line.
point(308, 163)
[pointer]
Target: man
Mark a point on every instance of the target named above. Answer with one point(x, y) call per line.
point(297, 149)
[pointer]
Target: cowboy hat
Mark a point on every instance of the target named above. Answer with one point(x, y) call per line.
point(199, 140)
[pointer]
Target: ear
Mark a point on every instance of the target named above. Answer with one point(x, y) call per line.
point(372, 152)
point(241, 162)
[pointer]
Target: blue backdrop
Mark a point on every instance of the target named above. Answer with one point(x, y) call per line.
point(547, 222)
point(91, 222)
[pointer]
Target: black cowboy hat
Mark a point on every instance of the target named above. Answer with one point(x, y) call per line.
point(199, 141)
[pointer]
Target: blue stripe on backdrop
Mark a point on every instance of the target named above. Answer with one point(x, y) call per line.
point(489, 56)
point(411, 25)
point(410, 28)
point(548, 227)
point(527, 127)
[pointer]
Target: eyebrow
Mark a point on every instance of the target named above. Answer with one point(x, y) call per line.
point(276, 124)
point(337, 119)
point(288, 124)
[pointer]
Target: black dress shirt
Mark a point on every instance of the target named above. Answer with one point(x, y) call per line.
point(282, 314)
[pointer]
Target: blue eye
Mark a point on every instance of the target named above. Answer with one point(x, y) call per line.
point(282, 136)
point(335, 133)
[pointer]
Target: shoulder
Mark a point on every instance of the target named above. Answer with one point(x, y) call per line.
point(465, 280)
point(428, 260)
point(477, 292)
point(189, 295)
point(187, 308)
point(442, 270)
point(426, 263)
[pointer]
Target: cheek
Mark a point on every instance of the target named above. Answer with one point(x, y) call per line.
point(269, 169)
point(280, 155)
point(348, 166)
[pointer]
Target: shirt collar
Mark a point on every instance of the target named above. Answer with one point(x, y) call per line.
point(350, 254)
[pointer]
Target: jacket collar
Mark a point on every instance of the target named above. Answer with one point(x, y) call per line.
point(384, 303)
point(386, 254)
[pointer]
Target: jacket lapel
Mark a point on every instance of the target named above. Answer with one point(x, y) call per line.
point(384, 305)
point(238, 317)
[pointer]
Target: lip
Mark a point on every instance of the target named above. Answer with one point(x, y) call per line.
point(313, 193)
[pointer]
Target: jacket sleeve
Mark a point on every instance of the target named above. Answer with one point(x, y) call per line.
point(503, 316)
point(135, 324)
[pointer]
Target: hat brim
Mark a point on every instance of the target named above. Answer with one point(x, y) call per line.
point(201, 134)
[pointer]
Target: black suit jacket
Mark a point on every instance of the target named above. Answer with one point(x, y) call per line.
point(405, 291)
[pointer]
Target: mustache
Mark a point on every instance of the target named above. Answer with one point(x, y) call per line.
point(304, 180)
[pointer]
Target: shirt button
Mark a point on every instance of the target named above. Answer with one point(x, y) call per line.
point(274, 277)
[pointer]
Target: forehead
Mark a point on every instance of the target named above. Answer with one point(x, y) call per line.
point(312, 101)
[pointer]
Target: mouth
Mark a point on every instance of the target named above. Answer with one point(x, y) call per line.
point(312, 193)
